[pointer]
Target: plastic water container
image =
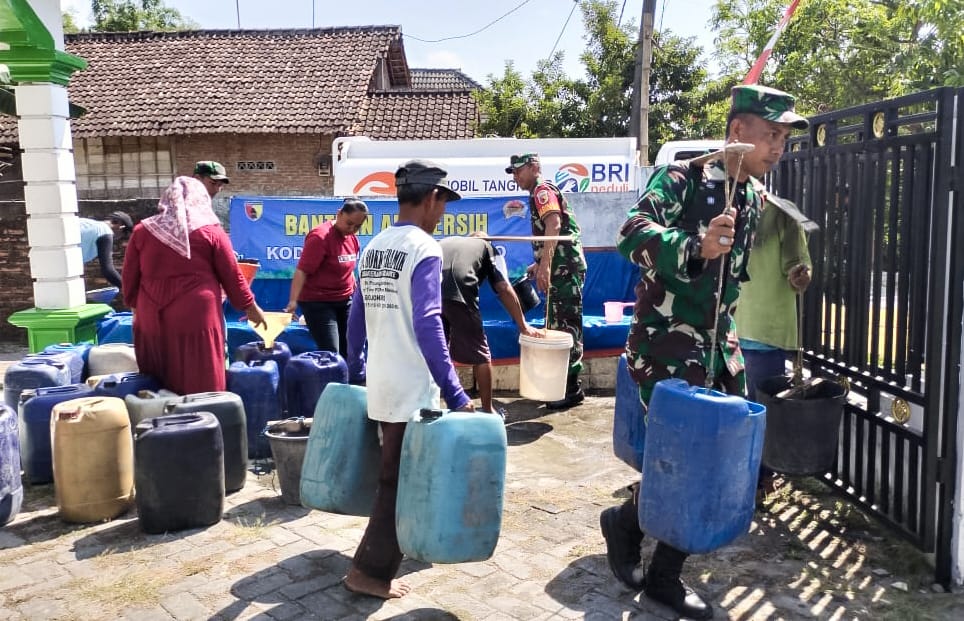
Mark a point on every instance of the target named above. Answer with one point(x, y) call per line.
point(700, 466)
point(81, 349)
point(629, 422)
point(229, 410)
point(187, 492)
point(343, 456)
point(32, 373)
point(544, 365)
point(450, 486)
point(73, 360)
point(307, 375)
point(111, 358)
point(256, 382)
point(93, 459)
point(36, 405)
point(11, 487)
point(122, 384)
point(146, 404)
point(279, 352)
point(613, 311)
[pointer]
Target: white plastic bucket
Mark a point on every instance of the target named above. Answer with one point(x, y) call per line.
point(544, 365)
point(613, 311)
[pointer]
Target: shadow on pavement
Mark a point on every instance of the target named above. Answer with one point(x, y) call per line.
point(524, 432)
point(123, 536)
point(268, 509)
point(588, 585)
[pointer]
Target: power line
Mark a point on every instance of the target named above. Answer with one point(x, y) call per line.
point(574, 5)
point(471, 34)
point(620, 20)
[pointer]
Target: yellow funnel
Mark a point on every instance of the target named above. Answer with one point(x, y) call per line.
point(276, 325)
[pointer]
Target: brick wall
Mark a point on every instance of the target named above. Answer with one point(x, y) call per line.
point(16, 286)
point(294, 156)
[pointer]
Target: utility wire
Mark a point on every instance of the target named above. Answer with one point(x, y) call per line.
point(465, 36)
point(620, 20)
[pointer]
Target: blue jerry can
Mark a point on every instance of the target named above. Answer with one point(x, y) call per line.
point(450, 486)
point(11, 486)
point(256, 382)
point(629, 422)
point(306, 376)
point(35, 407)
point(81, 349)
point(32, 372)
point(340, 470)
point(700, 466)
point(72, 358)
point(126, 383)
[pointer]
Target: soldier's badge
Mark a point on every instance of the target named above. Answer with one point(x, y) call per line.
point(542, 198)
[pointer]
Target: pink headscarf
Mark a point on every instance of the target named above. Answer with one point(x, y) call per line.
point(185, 206)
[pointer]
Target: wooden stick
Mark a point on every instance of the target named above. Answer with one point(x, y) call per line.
point(528, 238)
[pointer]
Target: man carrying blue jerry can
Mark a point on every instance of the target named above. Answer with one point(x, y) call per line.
point(691, 234)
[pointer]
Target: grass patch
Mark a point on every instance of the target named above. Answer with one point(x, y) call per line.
point(126, 585)
point(249, 528)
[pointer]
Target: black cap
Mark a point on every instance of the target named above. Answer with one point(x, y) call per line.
point(425, 172)
point(123, 218)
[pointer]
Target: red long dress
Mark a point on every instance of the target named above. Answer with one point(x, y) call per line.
point(178, 316)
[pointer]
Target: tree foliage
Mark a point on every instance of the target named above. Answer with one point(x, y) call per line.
point(551, 104)
point(837, 53)
point(128, 15)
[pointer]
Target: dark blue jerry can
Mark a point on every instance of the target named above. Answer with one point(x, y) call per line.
point(700, 466)
point(255, 350)
point(629, 419)
point(32, 373)
point(306, 376)
point(11, 487)
point(81, 349)
point(187, 492)
point(450, 486)
point(340, 471)
point(72, 358)
point(127, 383)
point(228, 408)
point(34, 413)
point(257, 383)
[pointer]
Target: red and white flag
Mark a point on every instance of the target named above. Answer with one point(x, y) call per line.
point(754, 74)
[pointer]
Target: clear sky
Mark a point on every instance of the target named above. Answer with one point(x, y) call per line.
point(524, 36)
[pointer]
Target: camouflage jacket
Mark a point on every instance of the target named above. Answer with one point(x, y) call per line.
point(568, 258)
point(673, 317)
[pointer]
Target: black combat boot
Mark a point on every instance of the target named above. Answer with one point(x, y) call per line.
point(574, 395)
point(663, 584)
point(620, 528)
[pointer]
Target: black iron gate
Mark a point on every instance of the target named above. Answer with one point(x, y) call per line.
point(885, 308)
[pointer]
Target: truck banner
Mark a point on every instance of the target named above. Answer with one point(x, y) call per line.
point(273, 229)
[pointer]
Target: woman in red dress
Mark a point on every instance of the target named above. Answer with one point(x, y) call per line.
point(175, 267)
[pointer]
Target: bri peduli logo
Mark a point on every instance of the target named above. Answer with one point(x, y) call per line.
point(572, 178)
point(253, 211)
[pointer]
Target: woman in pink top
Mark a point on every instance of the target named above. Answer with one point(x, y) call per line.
point(324, 280)
point(175, 266)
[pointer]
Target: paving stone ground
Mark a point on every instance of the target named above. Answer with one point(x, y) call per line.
point(808, 554)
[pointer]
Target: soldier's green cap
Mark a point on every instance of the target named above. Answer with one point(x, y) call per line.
point(518, 161)
point(211, 169)
point(768, 103)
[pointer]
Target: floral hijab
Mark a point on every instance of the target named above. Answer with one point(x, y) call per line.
point(185, 206)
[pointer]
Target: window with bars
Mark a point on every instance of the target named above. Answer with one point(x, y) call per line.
point(123, 166)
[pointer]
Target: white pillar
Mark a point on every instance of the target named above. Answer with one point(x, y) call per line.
point(51, 196)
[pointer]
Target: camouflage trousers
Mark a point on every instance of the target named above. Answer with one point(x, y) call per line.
point(565, 314)
point(646, 372)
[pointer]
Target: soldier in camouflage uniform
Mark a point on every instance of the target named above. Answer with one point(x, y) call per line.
point(678, 233)
point(559, 267)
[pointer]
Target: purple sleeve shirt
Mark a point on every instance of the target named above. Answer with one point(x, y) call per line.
point(427, 320)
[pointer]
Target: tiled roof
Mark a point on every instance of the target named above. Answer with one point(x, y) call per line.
point(442, 80)
point(262, 81)
point(417, 115)
point(229, 81)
